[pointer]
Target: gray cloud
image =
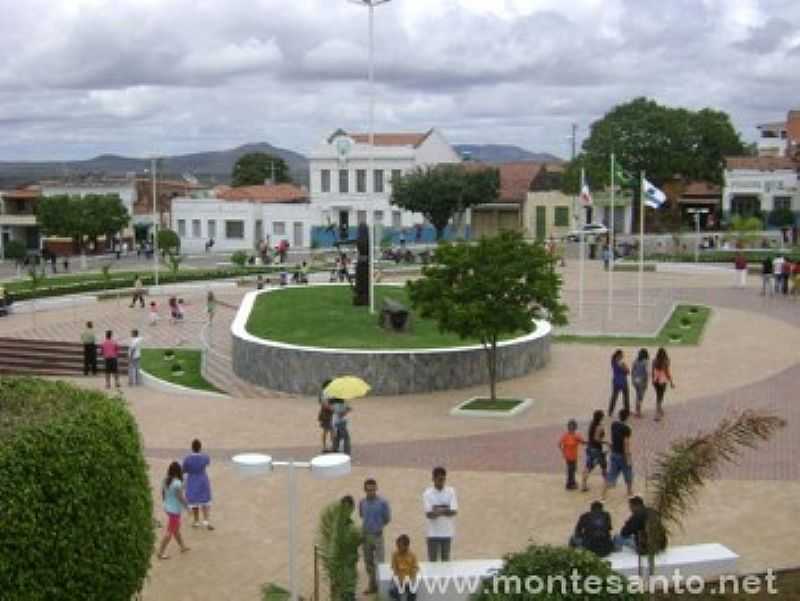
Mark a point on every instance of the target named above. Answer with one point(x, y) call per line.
point(181, 76)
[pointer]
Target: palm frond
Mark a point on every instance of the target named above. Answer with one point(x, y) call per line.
point(680, 473)
point(337, 541)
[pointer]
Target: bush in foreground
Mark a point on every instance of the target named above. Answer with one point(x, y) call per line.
point(77, 513)
point(536, 564)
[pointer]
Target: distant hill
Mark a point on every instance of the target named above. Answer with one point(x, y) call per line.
point(503, 153)
point(215, 166)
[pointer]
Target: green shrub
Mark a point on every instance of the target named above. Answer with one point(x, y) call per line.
point(169, 354)
point(14, 250)
point(675, 336)
point(177, 368)
point(338, 540)
point(168, 241)
point(239, 258)
point(685, 321)
point(77, 511)
point(537, 563)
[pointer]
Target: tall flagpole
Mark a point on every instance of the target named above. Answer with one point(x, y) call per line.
point(641, 242)
point(611, 248)
point(582, 251)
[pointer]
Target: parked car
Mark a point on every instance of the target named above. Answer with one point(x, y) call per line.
point(589, 229)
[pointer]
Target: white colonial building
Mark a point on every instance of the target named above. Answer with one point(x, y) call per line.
point(754, 184)
point(351, 182)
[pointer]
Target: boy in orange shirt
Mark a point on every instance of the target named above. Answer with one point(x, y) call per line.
point(405, 569)
point(569, 444)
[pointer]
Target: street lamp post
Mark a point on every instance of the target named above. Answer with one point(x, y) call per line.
point(371, 4)
point(153, 160)
point(331, 465)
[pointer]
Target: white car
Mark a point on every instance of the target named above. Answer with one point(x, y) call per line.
point(590, 229)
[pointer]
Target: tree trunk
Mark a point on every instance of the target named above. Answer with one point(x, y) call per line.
point(440, 231)
point(491, 363)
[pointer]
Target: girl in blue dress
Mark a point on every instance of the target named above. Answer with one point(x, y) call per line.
point(198, 487)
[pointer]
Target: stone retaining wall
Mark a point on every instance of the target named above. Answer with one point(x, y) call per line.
point(301, 370)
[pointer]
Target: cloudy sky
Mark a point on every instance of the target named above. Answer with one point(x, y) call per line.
point(83, 77)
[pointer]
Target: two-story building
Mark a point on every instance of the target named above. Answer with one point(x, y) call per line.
point(351, 181)
point(780, 138)
point(758, 185)
point(18, 217)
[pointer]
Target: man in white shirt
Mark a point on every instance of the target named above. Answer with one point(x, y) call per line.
point(134, 357)
point(441, 506)
point(777, 270)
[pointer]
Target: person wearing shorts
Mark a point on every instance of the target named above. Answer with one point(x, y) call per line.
point(620, 454)
point(110, 351)
point(174, 502)
point(595, 453)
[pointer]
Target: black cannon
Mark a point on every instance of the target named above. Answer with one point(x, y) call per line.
point(394, 315)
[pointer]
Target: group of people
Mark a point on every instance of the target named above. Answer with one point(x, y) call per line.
point(440, 505)
point(333, 418)
point(110, 352)
point(780, 276)
point(186, 487)
point(640, 374)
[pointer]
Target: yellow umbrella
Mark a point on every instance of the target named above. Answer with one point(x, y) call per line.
point(347, 388)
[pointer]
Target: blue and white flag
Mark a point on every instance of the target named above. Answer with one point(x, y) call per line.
point(653, 197)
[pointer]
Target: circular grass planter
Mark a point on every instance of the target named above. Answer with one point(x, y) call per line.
point(300, 369)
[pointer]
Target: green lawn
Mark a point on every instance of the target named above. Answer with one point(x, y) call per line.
point(153, 362)
point(688, 336)
point(484, 404)
point(325, 316)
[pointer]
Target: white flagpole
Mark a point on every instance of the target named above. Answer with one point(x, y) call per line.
point(641, 243)
point(581, 250)
point(611, 248)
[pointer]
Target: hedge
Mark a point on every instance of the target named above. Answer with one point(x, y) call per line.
point(728, 256)
point(99, 284)
point(536, 563)
point(77, 512)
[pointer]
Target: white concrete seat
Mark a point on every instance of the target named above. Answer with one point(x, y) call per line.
point(445, 581)
point(707, 560)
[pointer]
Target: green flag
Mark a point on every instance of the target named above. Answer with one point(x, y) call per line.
point(620, 177)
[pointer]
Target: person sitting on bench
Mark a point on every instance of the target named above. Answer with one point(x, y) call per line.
point(593, 531)
point(642, 521)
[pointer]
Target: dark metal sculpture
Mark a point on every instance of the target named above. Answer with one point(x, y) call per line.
point(361, 292)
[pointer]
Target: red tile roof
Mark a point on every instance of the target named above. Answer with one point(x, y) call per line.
point(515, 180)
point(29, 193)
point(277, 193)
point(760, 163)
point(392, 139)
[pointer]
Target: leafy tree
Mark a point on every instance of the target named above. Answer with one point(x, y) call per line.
point(746, 229)
point(168, 241)
point(81, 217)
point(443, 191)
point(174, 261)
point(338, 540)
point(77, 518)
point(485, 290)
point(665, 142)
point(14, 250)
point(60, 215)
point(254, 168)
point(539, 564)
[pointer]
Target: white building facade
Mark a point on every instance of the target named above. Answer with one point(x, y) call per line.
point(760, 184)
point(351, 182)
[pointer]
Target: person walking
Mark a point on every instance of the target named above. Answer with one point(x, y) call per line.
point(786, 274)
point(325, 418)
point(595, 453)
point(134, 359)
point(174, 502)
point(198, 486)
point(740, 263)
point(211, 306)
point(662, 375)
point(89, 341)
point(375, 514)
point(621, 461)
point(138, 292)
point(640, 376)
point(341, 433)
point(619, 381)
point(569, 444)
point(777, 272)
point(766, 276)
point(441, 507)
point(110, 351)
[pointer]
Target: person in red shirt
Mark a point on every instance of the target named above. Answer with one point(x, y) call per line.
point(110, 351)
point(569, 444)
point(741, 270)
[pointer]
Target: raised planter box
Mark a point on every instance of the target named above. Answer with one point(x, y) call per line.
point(462, 410)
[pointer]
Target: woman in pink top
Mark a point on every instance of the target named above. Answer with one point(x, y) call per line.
point(110, 350)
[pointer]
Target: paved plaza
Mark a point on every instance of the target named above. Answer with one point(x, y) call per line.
point(508, 472)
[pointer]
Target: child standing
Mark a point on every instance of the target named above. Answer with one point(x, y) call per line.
point(569, 444)
point(198, 487)
point(174, 502)
point(153, 314)
point(404, 569)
